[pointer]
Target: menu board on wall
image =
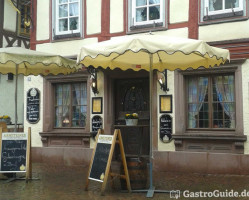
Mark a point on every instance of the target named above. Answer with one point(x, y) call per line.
point(166, 128)
point(33, 105)
point(96, 123)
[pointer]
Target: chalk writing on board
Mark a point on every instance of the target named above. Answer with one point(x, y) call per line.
point(33, 105)
point(166, 128)
point(96, 123)
point(13, 152)
point(101, 157)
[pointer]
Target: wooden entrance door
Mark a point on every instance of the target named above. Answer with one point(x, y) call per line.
point(132, 96)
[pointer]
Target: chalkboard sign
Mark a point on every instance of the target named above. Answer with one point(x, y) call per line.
point(166, 128)
point(33, 105)
point(13, 152)
point(96, 123)
point(101, 156)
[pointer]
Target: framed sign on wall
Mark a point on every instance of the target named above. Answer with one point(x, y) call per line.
point(165, 103)
point(97, 105)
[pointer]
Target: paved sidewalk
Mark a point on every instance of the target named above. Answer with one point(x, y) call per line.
point(67, 183)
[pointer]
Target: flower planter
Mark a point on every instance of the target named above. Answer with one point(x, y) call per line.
point(131, 122)
point(6, 120)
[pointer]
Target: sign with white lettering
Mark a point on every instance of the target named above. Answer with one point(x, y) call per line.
point(166, 128)
point(96, 123)
point(13, 152)
point(33, 106)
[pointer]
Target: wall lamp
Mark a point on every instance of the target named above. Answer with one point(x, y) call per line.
point(93, 72)
point(162, 80)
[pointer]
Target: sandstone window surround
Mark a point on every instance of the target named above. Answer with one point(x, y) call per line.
point(206, 136)
point(71, 131)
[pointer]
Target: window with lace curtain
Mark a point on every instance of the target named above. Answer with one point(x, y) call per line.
point(67, 17)
point(211, 102)
point(70, 104)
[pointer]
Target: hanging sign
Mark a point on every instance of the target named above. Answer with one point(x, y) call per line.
point(33, 105)
point(166, 128)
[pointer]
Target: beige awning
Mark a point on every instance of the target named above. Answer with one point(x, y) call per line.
point(31, 62)
point(132, 52)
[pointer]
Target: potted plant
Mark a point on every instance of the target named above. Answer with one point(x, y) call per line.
point(5, 118)
point(131, 119)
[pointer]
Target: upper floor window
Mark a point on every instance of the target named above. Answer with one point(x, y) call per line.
point(67, 17)
point(222, 10)
point(146, 11)
point(223, 6)
point(146, 14)
point(24, 20)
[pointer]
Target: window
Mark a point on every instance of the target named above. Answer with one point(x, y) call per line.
point(144, 14)
point(211, 102)
point(70, 104)
point(222, 6)
point(67, 17)
point(24, 20)
point(146, 11)
point(222, 10)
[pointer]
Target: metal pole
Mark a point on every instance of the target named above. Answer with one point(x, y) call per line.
point(16, 98)
point(151, 190)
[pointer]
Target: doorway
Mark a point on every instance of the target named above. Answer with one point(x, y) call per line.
point(131, 95)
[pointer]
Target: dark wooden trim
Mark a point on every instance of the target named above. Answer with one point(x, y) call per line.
point(1, 22)
point(193, 28)
point(33, 28)
point(178, 25)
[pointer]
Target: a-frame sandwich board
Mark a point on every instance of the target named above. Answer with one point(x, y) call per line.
point(99, 168)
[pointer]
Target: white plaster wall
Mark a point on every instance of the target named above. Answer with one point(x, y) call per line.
point(93, 16)
point(161, 145)
point(116, 16)
point(182, 8)
point(5, 43)
point(7, 98)
point(42, 30)
point(100, 81)
point(67, 48)
point(34, 82)
point(223, 31)
point(9, 17)
point(245, 92)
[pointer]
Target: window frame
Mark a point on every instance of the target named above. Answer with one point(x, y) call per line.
point(152, 25)
point(71, 103)
point(134, 7)
point(210, 101)
point(223, 11)
point(49, 101)
point(70, 33)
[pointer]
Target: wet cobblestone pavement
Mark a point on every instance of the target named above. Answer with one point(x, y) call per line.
point(67, 183)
